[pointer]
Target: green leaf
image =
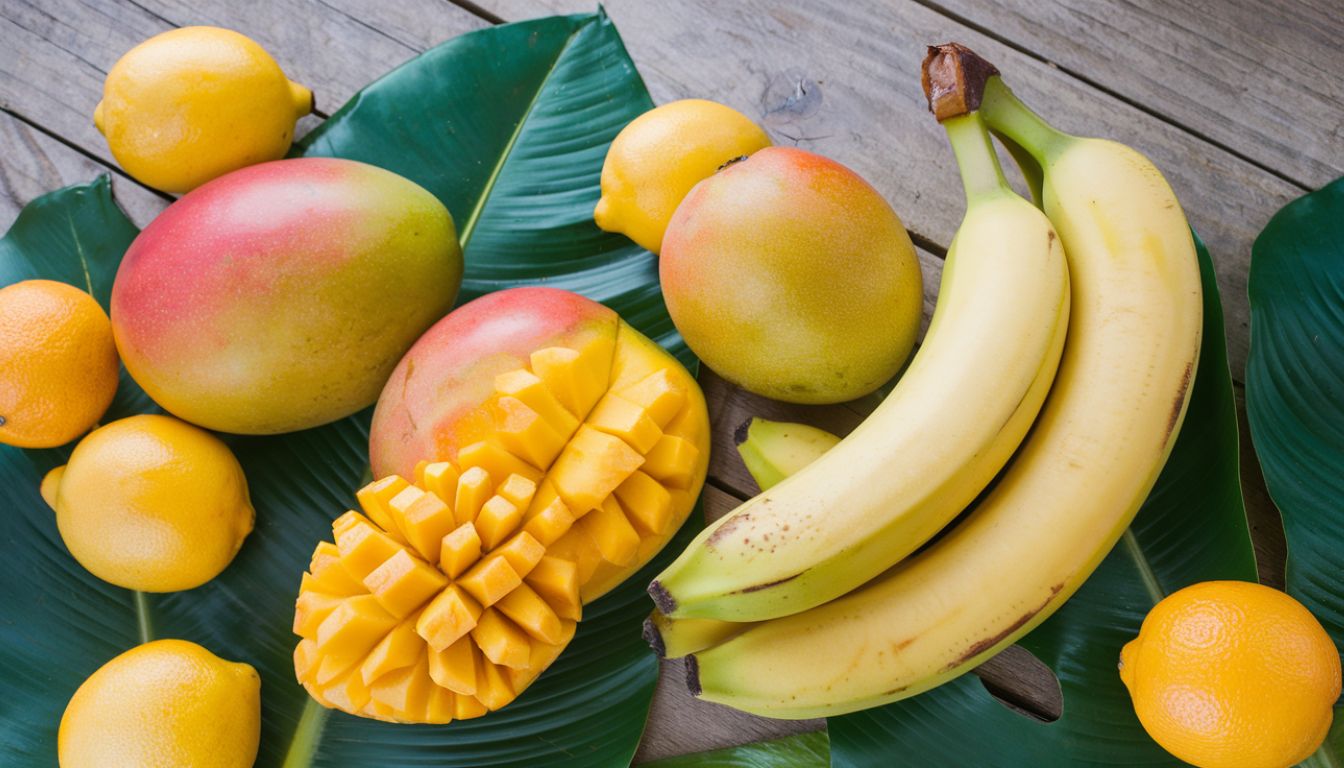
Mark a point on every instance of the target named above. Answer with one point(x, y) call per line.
point(509, 126)
point(512, 141)
point(1192, 528)
point(1295, 390)
point(1295, 398)
point(801, 750)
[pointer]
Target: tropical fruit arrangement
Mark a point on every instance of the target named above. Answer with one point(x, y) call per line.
point(531, 449)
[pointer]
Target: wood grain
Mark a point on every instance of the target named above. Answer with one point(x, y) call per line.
point(1264, 84)
point(34, 164)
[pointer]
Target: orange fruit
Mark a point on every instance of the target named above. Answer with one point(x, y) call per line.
point(1233, 674)
point(59, 361)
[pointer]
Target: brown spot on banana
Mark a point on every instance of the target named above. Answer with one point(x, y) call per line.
point(1179, 403)
point(980, 646)
point(767, 585)
point(727, 527)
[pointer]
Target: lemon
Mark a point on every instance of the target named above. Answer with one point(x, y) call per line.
point(656, 159)
point(151, 503)
point(59, 362)
point(168, 704)
point(1229, 674)
point(191, 104)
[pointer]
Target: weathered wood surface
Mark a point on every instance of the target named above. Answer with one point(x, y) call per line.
point(1260, 79)
point(838, 78)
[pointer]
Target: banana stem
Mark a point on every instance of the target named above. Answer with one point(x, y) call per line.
point(1006, 114)
point(981, 174)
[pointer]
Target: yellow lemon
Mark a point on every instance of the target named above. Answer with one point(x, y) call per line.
point(58, 360)
point(191, 104)
point(164, 704)
point(656, 159)
point(151, 503)
point(1229, 674)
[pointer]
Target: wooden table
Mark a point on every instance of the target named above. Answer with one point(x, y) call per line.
point(1240, 103)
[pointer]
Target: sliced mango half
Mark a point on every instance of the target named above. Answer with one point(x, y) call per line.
point(559, 469)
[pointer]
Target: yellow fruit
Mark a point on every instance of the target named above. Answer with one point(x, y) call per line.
point(164, 704)
point(59, 362)
point(426, 597)
point(792, 277)
point(191, 104)
point(606, 428)
point(151, 503)
point(1229, 674)
point(656, 159)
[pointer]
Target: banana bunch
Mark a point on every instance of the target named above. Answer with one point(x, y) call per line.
point(965, 402)
point(802, 602)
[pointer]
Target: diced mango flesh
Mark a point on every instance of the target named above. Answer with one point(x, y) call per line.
point(672, 461)
point(591, 467)
point(617, 416)
point(616, 539)
point(449, 595)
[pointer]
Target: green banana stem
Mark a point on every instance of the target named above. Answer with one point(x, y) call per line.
point(1007, 115)
point(981, 174)
point(1031, 170)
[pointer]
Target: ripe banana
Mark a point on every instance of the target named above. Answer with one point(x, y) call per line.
point(674, 638)
point(1068, 495)
point(774, 450)
point(968, 397)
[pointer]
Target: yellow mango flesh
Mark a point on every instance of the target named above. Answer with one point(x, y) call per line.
point(453, 590)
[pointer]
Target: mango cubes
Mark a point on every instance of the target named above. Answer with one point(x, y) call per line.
point(557, 474)
point(434, 603)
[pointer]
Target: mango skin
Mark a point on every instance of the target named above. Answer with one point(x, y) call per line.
point(427, 410)
point(279, 297)
point(789, 275)
point(432, 404)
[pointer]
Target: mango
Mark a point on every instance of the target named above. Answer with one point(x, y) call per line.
point(281, 296)
point(523, 499)
point(789, 275)
point(556, 389)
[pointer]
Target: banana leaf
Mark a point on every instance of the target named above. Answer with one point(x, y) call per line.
point(508, 126)
point(1191, 528)
point(801, 750)
point(1295, 398)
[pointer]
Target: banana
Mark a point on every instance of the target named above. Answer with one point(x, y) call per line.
point(774, 450)
point(950, 424)
point(674, 638)
point(1068, 495)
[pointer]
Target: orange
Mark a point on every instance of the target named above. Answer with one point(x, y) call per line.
point(1229, 674)
point(59, 362)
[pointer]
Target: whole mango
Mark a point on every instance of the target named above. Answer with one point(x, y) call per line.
point(281, 296)
point(789, 275)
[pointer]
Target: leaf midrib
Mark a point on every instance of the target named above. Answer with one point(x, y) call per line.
point(473, 218)
point(308, 733)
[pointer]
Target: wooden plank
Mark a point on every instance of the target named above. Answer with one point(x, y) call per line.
point(843, 79)
point(328, 47)
point(34, 164)
point(65, 47)
point(1263, 81)
point(59, 53)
